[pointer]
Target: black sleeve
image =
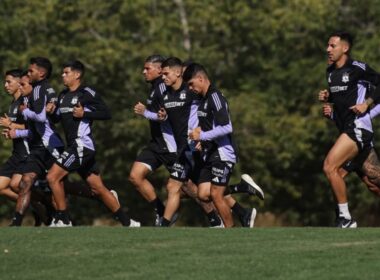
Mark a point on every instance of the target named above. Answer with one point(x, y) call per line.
point(220, 109)
point(95, 108)
point(368, 74)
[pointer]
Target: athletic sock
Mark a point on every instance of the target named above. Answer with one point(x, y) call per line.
point(343, 211)
point(63, 216)
point(239, 211)
point(214, 218)
point(158, 206)
point(122, 217)
point(17, 220)
point(165, 222)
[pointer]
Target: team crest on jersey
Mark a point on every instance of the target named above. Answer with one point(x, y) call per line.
point(74, 100)
point(15, 111)
point(345, 78)
point(182, 95)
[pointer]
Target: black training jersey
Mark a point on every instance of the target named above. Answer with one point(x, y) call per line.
point(78, 130)
point(181, 107)
point(42, 131)
point(348, 87)
point(215, 122)
point(20, 145)
point(162, 139)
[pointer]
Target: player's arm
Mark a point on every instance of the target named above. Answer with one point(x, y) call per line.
point(39, 104)
point(91, 106)
point(222, 122)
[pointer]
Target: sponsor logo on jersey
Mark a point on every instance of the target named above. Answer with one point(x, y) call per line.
point(65, 110)
point(201, 114)
point(338, 88)
point(345, 78)
point(174, 104)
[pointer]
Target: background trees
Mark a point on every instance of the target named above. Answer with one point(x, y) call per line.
point(266, 56)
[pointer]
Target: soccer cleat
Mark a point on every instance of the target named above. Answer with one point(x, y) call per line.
point(114, 193)
point(158, 220)
point(221, 225)
point(253, 188)
point(249, 218)
point(134, 224)
point(342, 222)
point(60, 223)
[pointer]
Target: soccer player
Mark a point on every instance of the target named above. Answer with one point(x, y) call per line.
point(45, 144)
point(162, 148)
point(214, 137)
point(10, 174)
point(78, 106)
point(346, 90)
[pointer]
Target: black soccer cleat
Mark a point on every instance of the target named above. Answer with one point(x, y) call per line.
point(342, 222)
point(249, 218)
point(253, 188)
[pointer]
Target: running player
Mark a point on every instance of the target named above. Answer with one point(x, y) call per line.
point(162, 147)
point(346, 90)
point(214, 138)
point(10, 174)
point(45, 144)
point(77, 107)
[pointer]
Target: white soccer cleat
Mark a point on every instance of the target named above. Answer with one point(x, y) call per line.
point(60, 223)
point(254, 189)
point(134, 224)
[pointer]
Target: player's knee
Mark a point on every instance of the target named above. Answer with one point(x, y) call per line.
point(328, 167)
point(173, 187)
point(217, 194)
point(135, 178)
point(15, 185)
point(204, 196)
point(26, 182)
point(52, 179)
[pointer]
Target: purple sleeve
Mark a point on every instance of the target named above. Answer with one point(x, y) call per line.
point(22, 133)
point(216, 132)
point(30, 115)
point(151, 116)
point(375, 111)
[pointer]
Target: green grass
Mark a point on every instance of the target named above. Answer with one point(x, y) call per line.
point(189, 253)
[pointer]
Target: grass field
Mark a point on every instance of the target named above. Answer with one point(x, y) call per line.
point(189, 253)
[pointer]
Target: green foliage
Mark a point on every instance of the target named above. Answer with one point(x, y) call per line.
point(267, 57)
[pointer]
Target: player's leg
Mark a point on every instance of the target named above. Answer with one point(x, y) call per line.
point(172, 204)
point(137, 177)
point(5, 188)
point(246, 215)
point(217, 195)
point(343, 150)
point(97, 186)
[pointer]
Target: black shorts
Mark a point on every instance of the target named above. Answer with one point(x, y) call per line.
point(362, 137)
point(79, 159)
point(39, 161)
point(13, 165)
point(154, 160)
point(216, 171)
point(356, 164)
point(182, 167)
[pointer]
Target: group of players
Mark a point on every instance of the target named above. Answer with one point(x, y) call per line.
point(351, 101)
point(191, 135)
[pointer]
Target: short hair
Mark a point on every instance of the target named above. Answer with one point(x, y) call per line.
point(344, 36)
point(24, 73)
point(155, 58)
point(192, 70)
point(172, 62)
point(75, 65)
point(16, 73)
point(44, 63)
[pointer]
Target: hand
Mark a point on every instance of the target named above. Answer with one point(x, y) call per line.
point(198, 146)
point(5, 121)
point(139, 109)
point(22, 107)
point(323, 95)
point(327, 110)
point(50, 107)
point(360, 109)
point(78, 111)
point(162, 115)
point(195, 134)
